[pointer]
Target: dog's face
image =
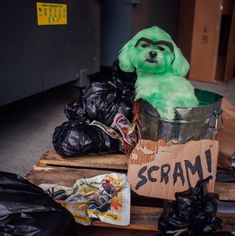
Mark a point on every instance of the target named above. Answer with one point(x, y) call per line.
point(152, 56)
point(152, 51)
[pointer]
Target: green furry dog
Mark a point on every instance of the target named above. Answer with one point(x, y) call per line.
point(160, 68)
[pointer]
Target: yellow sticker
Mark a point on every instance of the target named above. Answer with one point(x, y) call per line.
point(51, 13)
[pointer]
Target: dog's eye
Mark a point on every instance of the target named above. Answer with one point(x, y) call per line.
point(144, 45)
point(161, 48)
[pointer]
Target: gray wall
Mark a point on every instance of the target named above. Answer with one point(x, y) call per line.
point(120, 20)
point(35, 58)
point(116, 26)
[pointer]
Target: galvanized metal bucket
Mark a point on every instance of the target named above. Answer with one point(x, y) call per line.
point(190, 123)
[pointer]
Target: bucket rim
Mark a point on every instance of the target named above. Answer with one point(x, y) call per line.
point(183, 121)
point(220, 97)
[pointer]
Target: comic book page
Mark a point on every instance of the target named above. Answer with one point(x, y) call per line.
point(105, 197)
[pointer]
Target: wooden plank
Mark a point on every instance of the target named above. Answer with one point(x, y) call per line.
point(60, 175)
point(101, 231)
point(226, 191)
point(111, 161)
point(67, 177)
point(228, 221)
point(146, 218)
point(142, 218)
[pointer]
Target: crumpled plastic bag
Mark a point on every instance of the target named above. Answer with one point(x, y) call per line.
point(79, 138)
point(76, 137)
point(125, 81)
point(102, 101)
point(74, 111)
point(105, 99)
point(106, 197)
point(193, 212)
point(25, 210)
point(92, 125)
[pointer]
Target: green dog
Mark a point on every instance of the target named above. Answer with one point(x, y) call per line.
point(161, 70)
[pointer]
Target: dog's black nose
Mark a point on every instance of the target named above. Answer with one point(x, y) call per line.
point(152, 54)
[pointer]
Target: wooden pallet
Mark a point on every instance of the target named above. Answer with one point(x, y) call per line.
point(54, 169)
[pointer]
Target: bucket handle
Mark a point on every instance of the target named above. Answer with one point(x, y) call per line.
point(218, 115)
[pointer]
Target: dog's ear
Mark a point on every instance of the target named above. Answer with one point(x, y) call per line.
point(180, 64)
point(124, 59)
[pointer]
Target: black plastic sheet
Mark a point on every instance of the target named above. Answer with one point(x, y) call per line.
point(193, 212)
point(25, 210)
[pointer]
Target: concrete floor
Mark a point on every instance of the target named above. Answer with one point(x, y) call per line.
point(27, 126)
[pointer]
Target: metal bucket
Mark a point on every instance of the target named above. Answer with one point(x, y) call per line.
point(190, 123)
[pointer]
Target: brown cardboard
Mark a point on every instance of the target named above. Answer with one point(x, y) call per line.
point(158, 170)
point(226, 136)
point(206, 30)
point(199, 39)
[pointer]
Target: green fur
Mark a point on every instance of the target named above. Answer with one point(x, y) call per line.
point(129, 58)
point(160, 82)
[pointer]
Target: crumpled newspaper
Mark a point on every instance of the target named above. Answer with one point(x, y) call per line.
point(106, 197)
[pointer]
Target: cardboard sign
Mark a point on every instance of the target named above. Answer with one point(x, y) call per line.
point(51, 13)
point(160, 171)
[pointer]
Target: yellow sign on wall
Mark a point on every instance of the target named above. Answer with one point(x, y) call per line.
point(51, 13)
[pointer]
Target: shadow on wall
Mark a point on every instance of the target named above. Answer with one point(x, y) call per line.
point(120, 20)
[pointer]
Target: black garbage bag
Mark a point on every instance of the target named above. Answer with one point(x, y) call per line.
point(79, 138)
point(124, 81)
point(102, 101)
point(74, 111)
point(25, 210)
point(193, 212)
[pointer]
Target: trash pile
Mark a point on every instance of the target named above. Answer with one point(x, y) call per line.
point(100, 122)
point(106, 197)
